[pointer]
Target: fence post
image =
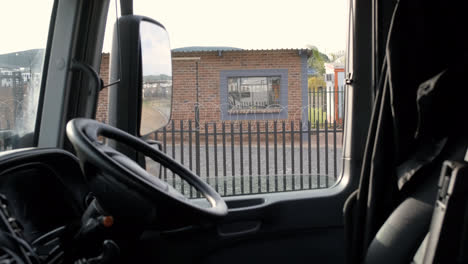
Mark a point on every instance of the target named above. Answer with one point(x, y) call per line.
point(215, 141)
point(207, 154)
point(173, 148)
point(284, 154)
point(197, 147)
point(233, 161)
point(275, 132)
point(309, 153)
point(318, 154)
point(301, 156)
point(267, 157)
point(241, 157)
point(182, 183)
point(314, 106)
point(197, 152)
point(249, 130)
point(293, 179)
point(223, 128)
point(259, 181)
point(326, 153)
point(334, 151)
point(190, 153)
point(165, 149)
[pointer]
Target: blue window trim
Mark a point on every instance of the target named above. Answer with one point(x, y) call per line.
point(223, 77)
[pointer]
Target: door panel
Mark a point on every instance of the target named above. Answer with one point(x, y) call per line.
point(277, 228)
point(307, 246)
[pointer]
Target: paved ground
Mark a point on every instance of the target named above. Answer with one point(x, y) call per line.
point(272, 177)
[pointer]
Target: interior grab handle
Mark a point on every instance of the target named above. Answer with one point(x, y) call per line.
point(236, 229)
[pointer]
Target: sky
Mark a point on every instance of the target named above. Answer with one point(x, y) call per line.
point(248, 24)
point(155, 44)
point(25, 24)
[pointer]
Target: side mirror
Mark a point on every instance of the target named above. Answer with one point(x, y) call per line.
point(156, 96)
point(140, 101)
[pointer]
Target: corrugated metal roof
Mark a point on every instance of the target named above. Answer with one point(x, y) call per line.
point(224, 49)
point(204, 49)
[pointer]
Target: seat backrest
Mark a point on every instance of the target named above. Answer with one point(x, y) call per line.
point(402, 234)
point(420, 102)
point(399, 238)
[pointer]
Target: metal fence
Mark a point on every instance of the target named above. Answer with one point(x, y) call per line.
point(261, 156)
point(326, 103)
point(239, 158)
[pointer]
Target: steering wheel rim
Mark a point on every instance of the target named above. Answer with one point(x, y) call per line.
point(84, 133)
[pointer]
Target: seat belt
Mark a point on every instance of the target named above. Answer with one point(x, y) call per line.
point(448, 234)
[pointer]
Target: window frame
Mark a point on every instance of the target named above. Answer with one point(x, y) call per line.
point(269, 89)
point(45, 72)
point(226, 114)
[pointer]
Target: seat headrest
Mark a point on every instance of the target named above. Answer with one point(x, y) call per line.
point(442, 104)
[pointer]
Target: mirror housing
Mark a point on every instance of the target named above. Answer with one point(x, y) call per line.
point(130, 59)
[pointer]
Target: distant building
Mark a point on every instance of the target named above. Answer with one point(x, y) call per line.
point(335, 81)
point(156, 87)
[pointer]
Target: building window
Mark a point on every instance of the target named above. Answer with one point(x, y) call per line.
point(252, 93)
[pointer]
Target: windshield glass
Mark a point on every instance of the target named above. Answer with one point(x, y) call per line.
point(25, 27)
point(258, 93)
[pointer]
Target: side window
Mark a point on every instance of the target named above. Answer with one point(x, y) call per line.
point(263, 110)
point(25, 26)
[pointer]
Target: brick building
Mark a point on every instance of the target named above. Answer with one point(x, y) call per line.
point(235, 84)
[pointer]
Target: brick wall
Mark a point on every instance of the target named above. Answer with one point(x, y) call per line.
point(7, 107)
point(210, 66)
point(101, 112)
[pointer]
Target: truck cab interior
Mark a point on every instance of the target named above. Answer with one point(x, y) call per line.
point(75, 190)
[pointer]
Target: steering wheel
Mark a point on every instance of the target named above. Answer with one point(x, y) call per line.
point(122, 186)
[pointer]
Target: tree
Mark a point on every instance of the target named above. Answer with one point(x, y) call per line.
point(315, 82)
point(317, 60)
point(336, 55)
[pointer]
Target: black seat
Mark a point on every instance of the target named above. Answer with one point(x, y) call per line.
point(402, 234)
point(418, 122)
